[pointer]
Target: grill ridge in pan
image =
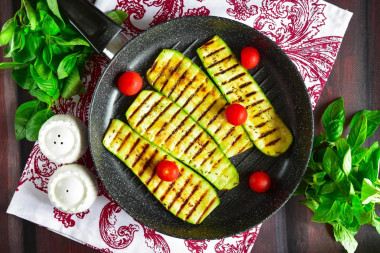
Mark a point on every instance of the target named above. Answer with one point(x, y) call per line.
point(240, 208)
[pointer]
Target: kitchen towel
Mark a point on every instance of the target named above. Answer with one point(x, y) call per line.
point(309, 31)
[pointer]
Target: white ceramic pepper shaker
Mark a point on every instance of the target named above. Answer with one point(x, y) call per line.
point(63, 138)
point(72, 188)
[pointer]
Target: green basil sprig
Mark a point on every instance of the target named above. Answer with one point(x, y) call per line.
point(341, 184)
point(48, 56)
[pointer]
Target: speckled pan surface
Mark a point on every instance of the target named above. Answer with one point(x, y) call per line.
point(240, 208)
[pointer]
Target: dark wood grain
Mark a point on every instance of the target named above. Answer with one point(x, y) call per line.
point(355, 77)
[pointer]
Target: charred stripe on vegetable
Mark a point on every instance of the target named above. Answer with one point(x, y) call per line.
point(133, 147)
point(176, 84)
point(200, 150)
point(233, 78)
point(179, 193)
point(147, 163)
point(255, 103)
point(265, 134)
point(207, 110)
point(123, 142)
point(206, 209)
point(214, 52)
point(220, 61)
point(227, 69)
point(188, 198)
point(196, 205)
point(172, 71)
point(141, 105)
point(148, 112)
point(140, 155)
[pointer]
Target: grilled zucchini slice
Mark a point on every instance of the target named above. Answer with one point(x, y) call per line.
point(183, 82)
point(266, 129)
point(164, 123)
point(189, 197)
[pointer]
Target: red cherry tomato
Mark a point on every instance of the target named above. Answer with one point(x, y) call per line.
point(167, 170)
point(250, 57)
point(259, 181)
point(130, 83)
point(236, 114)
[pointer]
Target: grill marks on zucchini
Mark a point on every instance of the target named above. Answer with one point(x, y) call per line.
point(183, 138)
point(266, 129)
point(189, 197)
point(194, 92)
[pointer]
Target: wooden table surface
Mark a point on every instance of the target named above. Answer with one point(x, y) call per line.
point(355, 77)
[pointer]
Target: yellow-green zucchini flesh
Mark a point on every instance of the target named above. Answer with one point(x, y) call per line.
point(189, 197)
point(266, 129)
point(183, 82)
point(165, 124)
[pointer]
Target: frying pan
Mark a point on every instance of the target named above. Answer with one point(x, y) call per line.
point(240, 208)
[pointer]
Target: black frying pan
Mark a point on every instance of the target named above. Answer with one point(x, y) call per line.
point(240, 208)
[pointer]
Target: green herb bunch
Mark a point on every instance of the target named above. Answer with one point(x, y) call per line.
point(341, 183)
point(48, 60)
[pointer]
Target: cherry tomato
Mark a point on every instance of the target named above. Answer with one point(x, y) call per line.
point(250, 57)
point(167, 170)
point(236, 114)
point(259, 181)
point(130, 83)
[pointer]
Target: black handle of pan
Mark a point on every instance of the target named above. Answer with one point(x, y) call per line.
point(93, 24)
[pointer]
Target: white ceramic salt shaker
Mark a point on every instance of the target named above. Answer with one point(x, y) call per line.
point(72, 188)
point(63, 138)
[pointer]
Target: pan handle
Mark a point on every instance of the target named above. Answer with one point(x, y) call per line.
point(100, 31)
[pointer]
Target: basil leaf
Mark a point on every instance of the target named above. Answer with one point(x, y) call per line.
point(373, 120)
point(118, 16)
point(372, 149)
point(23, 115)
point(318, 178)
point(41, 5)
point(376, 221)
point(24, 78)
point(35, 123)
point(330, 161)
point(7, 31)
point(333, 119)
point(42, 69)
point(49, 26)
point(73, 42)
point(66, 65)
point(41, 95)
point(17, 42)
point(31, 14)
point(342, 147)
point(348, 213)
point(73, 85)
point(49, 86)
point(318, 140)
point(57, 50)
point(31, 49)
point(369, 193)
point(344, 236)
point(328, 210)
point(366, 170)
point(347, 162)
point(47, 54)
point(358, 155)
point(11, 65)
point(53, 6)
point(313, 205)
point(358, 132)
point(361, 215)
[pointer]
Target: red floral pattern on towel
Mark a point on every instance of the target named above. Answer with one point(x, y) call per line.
point(295, 25)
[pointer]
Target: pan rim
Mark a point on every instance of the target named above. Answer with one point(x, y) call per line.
point(308, 110)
